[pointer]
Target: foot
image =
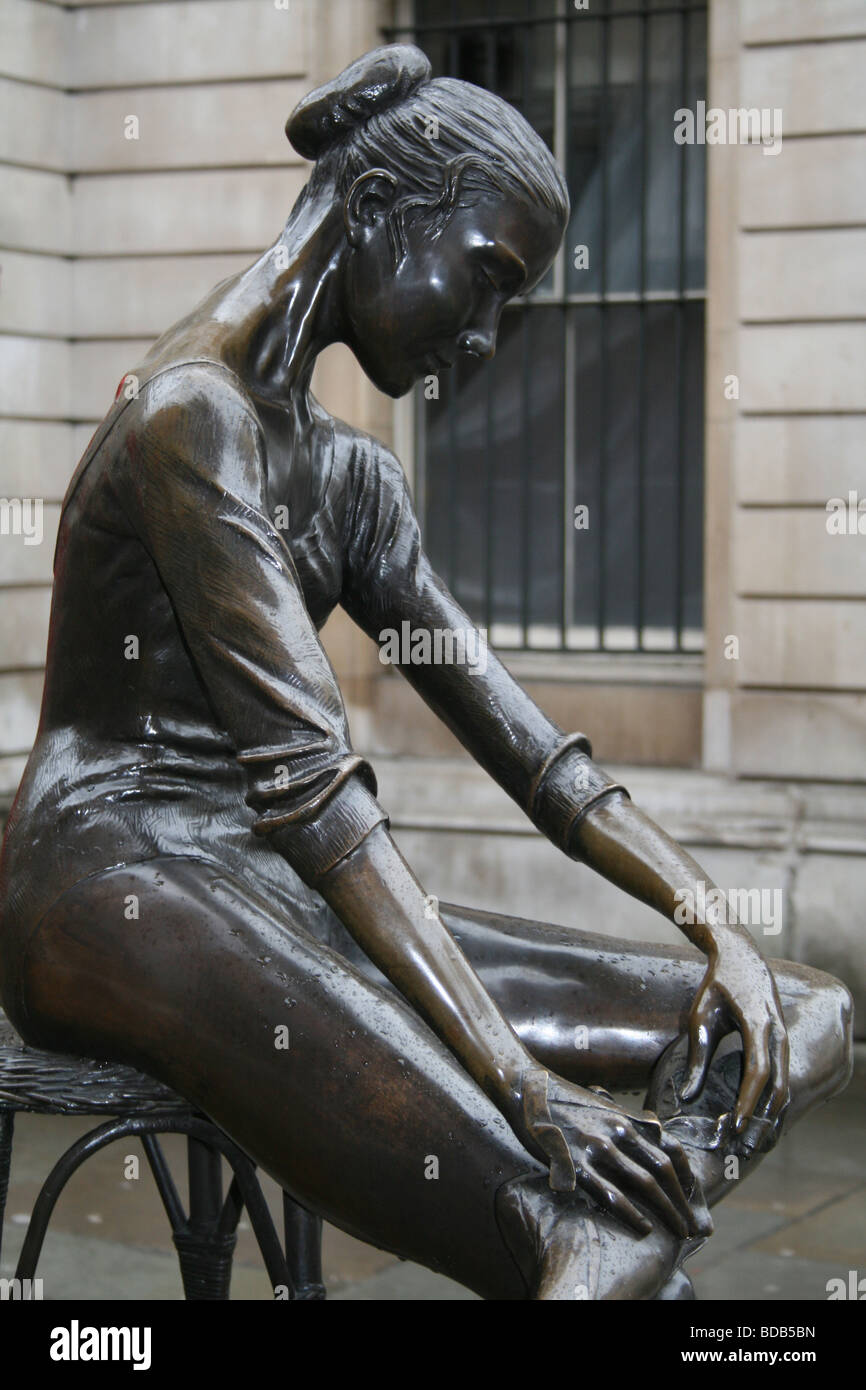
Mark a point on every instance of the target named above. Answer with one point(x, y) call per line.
point(570, 1253)
point(705, 1126)
point(707, 1122)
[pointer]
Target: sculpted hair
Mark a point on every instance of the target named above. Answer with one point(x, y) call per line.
point(438, 137)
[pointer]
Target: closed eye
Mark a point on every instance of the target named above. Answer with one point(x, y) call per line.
point(506, 272)
point(489, 277)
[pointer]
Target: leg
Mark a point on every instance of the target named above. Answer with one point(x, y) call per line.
point(600, 1011)
point(332, 1084)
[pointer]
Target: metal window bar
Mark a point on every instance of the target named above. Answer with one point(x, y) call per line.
point(657, 621)
point(603, 344)
point(681, 336)
point(642, 331)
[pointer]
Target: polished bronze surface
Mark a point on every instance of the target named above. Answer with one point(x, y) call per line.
point(197, 876)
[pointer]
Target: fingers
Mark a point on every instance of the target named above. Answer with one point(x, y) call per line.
point(618, 1168)
point(691, 1186)
point(677, 1155)
point(756, 1073)
point(646, 1173)
point(780, 1053)
point(610, 1199)
point(663, 1175)
point(703, 1027)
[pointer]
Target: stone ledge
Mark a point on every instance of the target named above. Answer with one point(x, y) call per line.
point(454, 794)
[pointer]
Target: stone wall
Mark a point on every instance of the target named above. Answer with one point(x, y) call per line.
point(787, 317)
point(142, 159)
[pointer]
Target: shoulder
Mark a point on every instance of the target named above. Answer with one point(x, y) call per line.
point(381, 536)
point(195, 395)
point(198, 415)
point(371, 470)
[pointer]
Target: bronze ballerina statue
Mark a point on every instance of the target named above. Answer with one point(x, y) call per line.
point(196, 856)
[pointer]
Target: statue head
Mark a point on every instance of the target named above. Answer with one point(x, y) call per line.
point(451, 204)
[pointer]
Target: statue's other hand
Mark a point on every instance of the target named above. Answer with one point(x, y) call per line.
point(739, 992)
point(616, 1159)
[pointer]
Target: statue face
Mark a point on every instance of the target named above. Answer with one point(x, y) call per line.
point(448, 293)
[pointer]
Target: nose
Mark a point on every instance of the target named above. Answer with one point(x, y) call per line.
point(478, 342)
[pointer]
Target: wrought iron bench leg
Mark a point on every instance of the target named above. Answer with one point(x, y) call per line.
point(206, 1190)
point(7, 1127)
point(212, 1222)
point(204, 1250)
point(303, 1232)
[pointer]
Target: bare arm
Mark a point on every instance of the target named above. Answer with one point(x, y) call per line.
point(617, 840)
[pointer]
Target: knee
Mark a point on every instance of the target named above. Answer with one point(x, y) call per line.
point(825, 1034)
point(838, 1006)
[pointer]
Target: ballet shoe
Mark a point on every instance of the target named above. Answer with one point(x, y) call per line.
point(707, 1122)
point(569, 1251)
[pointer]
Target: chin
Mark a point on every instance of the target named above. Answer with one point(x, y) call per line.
point(390, 382)
point(392, 385)
point(395, 391)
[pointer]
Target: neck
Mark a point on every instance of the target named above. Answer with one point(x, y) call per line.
point(284, 310)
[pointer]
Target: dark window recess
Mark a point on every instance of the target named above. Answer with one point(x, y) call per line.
point(595, 397)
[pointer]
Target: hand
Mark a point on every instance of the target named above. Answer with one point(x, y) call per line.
point(591, 1142)
point(739, 992)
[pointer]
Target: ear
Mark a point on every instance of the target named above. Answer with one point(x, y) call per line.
point(370, 198)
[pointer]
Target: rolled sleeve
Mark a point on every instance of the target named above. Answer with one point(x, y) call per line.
point(566, 787)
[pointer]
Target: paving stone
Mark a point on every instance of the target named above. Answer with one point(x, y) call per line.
point(835, 1232)
point(407, 1282)
point(754, 1276)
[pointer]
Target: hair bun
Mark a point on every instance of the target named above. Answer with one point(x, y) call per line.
point(380, 79)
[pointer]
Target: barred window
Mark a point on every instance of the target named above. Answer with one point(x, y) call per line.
point(561, 485)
